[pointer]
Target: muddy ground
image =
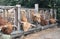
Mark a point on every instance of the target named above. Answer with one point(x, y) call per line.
point(52, 33)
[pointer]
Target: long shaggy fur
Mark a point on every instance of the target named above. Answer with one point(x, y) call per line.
point(25, 24)
point(6, 26)
point(52, 20)
point(35, 17)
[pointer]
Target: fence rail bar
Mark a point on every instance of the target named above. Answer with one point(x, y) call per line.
point(7, 7)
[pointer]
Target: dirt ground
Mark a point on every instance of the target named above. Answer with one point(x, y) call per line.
point(53, 33)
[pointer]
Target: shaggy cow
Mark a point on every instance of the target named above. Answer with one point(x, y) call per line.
point(5, 26)
point(35, 17)
point(7, 29)
point(52, 20)
point(43, 21)
point(23, 17)
point(25, 24)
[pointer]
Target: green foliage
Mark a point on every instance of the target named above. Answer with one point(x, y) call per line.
point(29, 3)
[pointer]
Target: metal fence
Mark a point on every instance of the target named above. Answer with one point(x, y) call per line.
point(13, 14)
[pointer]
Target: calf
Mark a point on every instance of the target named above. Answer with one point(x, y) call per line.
point(52, 20)
point(35, 17)
point(23, 17)
point(43, 21)
point(25, 24)
point(5, 26)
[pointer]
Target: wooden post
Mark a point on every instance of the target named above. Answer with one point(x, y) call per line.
point(18, 12)
point(4, 13)
point(7, 13)
point(1, 13)
point(55, 13)
point(16, 17)
point(36, 8)
point(51, 12)
point(29, 15)
point(43, 14)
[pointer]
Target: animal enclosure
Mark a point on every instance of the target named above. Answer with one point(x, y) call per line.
point(28, 19)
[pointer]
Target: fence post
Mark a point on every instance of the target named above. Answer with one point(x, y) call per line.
point(18, 9)
point(16, 17)
point(36, 8)
point(4, 13)
point(51, 12)
point(55, 13)
point(7, 13)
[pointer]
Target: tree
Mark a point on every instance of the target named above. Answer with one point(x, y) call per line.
point(30, 3)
